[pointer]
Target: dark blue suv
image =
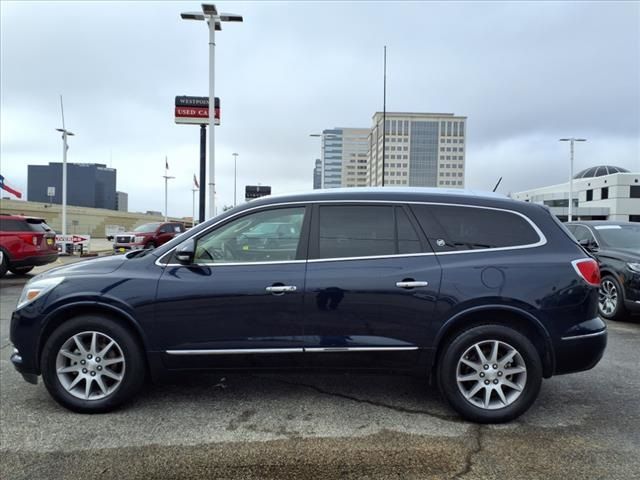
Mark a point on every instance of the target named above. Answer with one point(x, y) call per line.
point(481, 294)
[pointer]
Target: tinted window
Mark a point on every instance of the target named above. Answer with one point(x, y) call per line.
point(408, 240)
point(634, 191)
point(620, 236)
point(356, 231)
point(469, 228)
point(582, 233)
point(166, 229)
point(265, 236)
point(11, 225)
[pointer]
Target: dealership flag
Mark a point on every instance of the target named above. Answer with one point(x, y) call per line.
point(195, 181)
point(4, 186)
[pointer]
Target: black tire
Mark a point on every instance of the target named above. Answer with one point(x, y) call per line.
point(20, 270)
point(134, 367)
point(448, 370)
point(619, 312)
point(4, 263)
point(149, 245)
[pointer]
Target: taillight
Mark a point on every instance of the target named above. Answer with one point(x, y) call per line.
point(29, 239)
point(588, 269)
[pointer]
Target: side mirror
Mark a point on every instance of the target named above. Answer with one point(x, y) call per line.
point(185, 252)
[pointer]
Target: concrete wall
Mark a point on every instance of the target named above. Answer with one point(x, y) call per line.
point(91, 221)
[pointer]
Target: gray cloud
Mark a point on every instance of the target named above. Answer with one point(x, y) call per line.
point(524, 73)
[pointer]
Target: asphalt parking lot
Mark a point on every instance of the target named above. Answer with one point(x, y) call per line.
point(585, 425)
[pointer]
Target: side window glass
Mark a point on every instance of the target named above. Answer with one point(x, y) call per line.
point(583, 233)
point(266, 236)
point(356, 231)
point(470, 228)
point(408, 240)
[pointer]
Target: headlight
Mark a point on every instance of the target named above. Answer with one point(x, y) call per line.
point(36, 289)
point(634, 267)
point(138, 239)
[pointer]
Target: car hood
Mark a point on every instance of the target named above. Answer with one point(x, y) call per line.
point(91, 266)
point(625, 254)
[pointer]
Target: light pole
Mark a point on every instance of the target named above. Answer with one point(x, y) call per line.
point(65, 133)
point(572, 140)
point(214, 20)
point(235, 176)
point(166, 181)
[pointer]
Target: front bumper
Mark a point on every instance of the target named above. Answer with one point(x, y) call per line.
point(18, 363)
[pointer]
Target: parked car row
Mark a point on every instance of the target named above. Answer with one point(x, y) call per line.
point(483, 295)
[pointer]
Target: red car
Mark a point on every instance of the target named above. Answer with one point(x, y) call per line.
point(25, 242)
point(149, 235)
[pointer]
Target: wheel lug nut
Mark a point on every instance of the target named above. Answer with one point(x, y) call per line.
point(495, 381)
point(487, 382)
point(499, 374)
point(84, 370)
point(83, 362)
point(486, 367)
point(495, 366)
point(93, 374)
point(99, 367)
point(97, 359)
point(481, 374)
point(89, 356)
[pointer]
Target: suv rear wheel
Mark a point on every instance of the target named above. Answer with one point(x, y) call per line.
point(610, 302)
point(490, 374)
point(91, 364)
point(3, 264)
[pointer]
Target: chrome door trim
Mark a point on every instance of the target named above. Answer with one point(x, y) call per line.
point(358, 349)
point(234, 351)
point(412, 284)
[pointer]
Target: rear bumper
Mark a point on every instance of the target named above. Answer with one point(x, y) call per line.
point(35, 260)
point(580, 352)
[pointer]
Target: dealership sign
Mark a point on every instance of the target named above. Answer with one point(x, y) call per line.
point(195, 110)
point(84, 240)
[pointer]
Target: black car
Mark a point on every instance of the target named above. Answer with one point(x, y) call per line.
point(482, 295)
point(616, 246)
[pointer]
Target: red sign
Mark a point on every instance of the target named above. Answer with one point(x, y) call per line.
point(195, 110)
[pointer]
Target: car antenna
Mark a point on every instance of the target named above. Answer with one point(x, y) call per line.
point(496, 187)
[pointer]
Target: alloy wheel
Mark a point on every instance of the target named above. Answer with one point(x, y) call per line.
point(608, 297)
point(491, 374)
point(90, 365)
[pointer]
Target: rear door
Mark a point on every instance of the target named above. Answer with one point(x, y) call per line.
point(371, 287)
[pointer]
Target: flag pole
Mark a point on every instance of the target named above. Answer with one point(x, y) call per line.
point(166, 183)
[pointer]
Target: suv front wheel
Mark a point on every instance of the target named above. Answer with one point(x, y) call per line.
point(490, 374)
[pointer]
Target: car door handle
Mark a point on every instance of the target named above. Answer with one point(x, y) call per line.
point(281, 288)
point(411, 284)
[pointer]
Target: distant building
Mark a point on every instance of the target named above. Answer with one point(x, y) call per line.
point(154, 213)
point(422, 150)
point(344, 157)
point(122, 201)
point(599, 193)
point(88, 184)
point(317, 175)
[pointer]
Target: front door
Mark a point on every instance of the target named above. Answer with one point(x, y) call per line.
point(372, 283)
point(240, 303)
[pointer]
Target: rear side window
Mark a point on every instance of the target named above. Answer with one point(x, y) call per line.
point(12, 225)
point(364, 231)
point(469, 228)
point(38, 226)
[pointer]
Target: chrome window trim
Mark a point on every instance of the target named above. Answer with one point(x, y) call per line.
point(252, 351)
point(586, 335)
point(542, 238)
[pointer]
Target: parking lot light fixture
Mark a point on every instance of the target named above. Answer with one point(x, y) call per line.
point(572, 140)
point(214, 21)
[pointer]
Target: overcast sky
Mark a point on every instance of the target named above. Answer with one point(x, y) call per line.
point(525, 74)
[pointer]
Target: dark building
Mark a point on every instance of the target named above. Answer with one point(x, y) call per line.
point(317, 175)
point(88, 184)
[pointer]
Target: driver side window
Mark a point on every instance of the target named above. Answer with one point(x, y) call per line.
point(265, 236)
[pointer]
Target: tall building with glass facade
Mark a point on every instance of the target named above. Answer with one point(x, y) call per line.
point(421, 150)
point(345, 157)
point(317, 174)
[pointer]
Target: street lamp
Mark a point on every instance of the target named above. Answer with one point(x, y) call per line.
point(214, 20)
point(65, 133)
point(572, 140)
point(235, 176)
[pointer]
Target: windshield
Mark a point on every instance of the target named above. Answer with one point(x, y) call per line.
point(147, 227)
point(620, 236)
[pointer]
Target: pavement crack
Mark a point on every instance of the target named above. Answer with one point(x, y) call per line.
point(477, 448)
point(448, 418)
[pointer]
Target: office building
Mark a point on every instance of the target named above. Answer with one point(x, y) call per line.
point(122, 201)
point(422, 150)
point(88, 184)
point(344, 157)
point(317, 175)
point(599, 193)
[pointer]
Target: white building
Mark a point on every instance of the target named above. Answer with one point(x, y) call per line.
point(422, 150)
point(599, 193)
